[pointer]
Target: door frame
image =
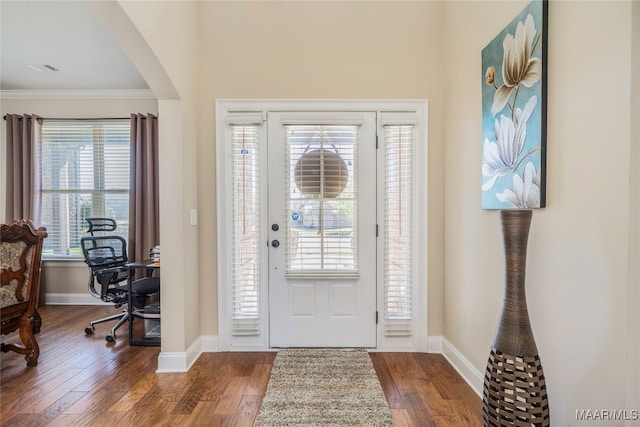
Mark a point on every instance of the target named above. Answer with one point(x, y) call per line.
point(226, 109)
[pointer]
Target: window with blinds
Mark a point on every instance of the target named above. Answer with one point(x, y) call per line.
point(245, 298)
point(321, 200)
point(398, 232)
point(84, 172)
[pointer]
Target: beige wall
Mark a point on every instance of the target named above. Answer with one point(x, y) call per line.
point(577, 267)
point(320, 50)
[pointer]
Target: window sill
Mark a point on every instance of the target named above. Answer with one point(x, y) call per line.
point(63, 262)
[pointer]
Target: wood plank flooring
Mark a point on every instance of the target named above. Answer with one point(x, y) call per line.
point(85, 381)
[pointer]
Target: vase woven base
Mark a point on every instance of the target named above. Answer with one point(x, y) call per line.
point(515, 392)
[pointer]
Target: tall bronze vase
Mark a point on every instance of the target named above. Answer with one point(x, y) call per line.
point(515, 392)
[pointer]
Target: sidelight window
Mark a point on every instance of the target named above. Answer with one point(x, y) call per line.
point(399, 232)
point(245, 298)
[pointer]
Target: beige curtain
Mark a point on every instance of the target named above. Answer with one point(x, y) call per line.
point(144, 211)
point(22, 167)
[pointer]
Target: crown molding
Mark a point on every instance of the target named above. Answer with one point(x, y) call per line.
point(78, 94)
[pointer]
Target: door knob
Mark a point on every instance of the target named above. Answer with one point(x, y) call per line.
point(275, 243)
point(275, 227)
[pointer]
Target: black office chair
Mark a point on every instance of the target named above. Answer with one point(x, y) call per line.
point(101, 225)
point(106, 256)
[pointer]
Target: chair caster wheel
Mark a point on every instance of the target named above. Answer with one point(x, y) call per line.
point(89, 330)
point(110, 338)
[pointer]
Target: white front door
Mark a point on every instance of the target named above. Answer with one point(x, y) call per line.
point(322, 229)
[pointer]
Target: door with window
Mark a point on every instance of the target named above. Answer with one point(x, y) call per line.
point(317, 230)
point(322, 229)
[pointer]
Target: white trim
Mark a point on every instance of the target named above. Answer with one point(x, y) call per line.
point(418, 339)
point(53, 298)
point(398, 119)
point(224, 106)
point(418, 342)
point(180, 361)
point(339, 119)
point(226, 341)
point(247, 118)
point(467, 371)
point(78, 94)
point(169, 362)
point(421, 210)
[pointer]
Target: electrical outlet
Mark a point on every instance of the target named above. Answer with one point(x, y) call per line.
point(193, 217)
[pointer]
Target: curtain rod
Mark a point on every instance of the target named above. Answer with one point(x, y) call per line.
point(81, 119)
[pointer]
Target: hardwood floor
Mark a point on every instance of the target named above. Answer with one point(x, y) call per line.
point(85, 381)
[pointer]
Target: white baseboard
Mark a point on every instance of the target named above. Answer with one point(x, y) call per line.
point(182, 361)
point(467, 371)
point(172, 362)
point(72, 299)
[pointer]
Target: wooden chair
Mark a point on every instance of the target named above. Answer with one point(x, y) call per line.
point(20, 257)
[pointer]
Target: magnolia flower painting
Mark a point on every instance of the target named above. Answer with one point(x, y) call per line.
point(514, 113)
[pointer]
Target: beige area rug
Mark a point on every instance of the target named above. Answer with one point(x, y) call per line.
point(324, 387)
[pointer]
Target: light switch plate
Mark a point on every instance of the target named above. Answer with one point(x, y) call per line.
point(193, 217)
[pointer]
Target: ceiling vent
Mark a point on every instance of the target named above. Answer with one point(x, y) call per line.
point(44, 68)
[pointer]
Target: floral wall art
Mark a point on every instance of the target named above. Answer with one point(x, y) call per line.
point(514, 113)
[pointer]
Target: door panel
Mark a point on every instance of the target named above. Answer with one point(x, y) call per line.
point(322, 251)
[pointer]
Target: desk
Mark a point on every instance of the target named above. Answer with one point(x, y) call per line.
point(151, 340)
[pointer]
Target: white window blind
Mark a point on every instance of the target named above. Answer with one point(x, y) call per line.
point(398, 232)
point(245, 298)
point(321, 200)
point(84, 167)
